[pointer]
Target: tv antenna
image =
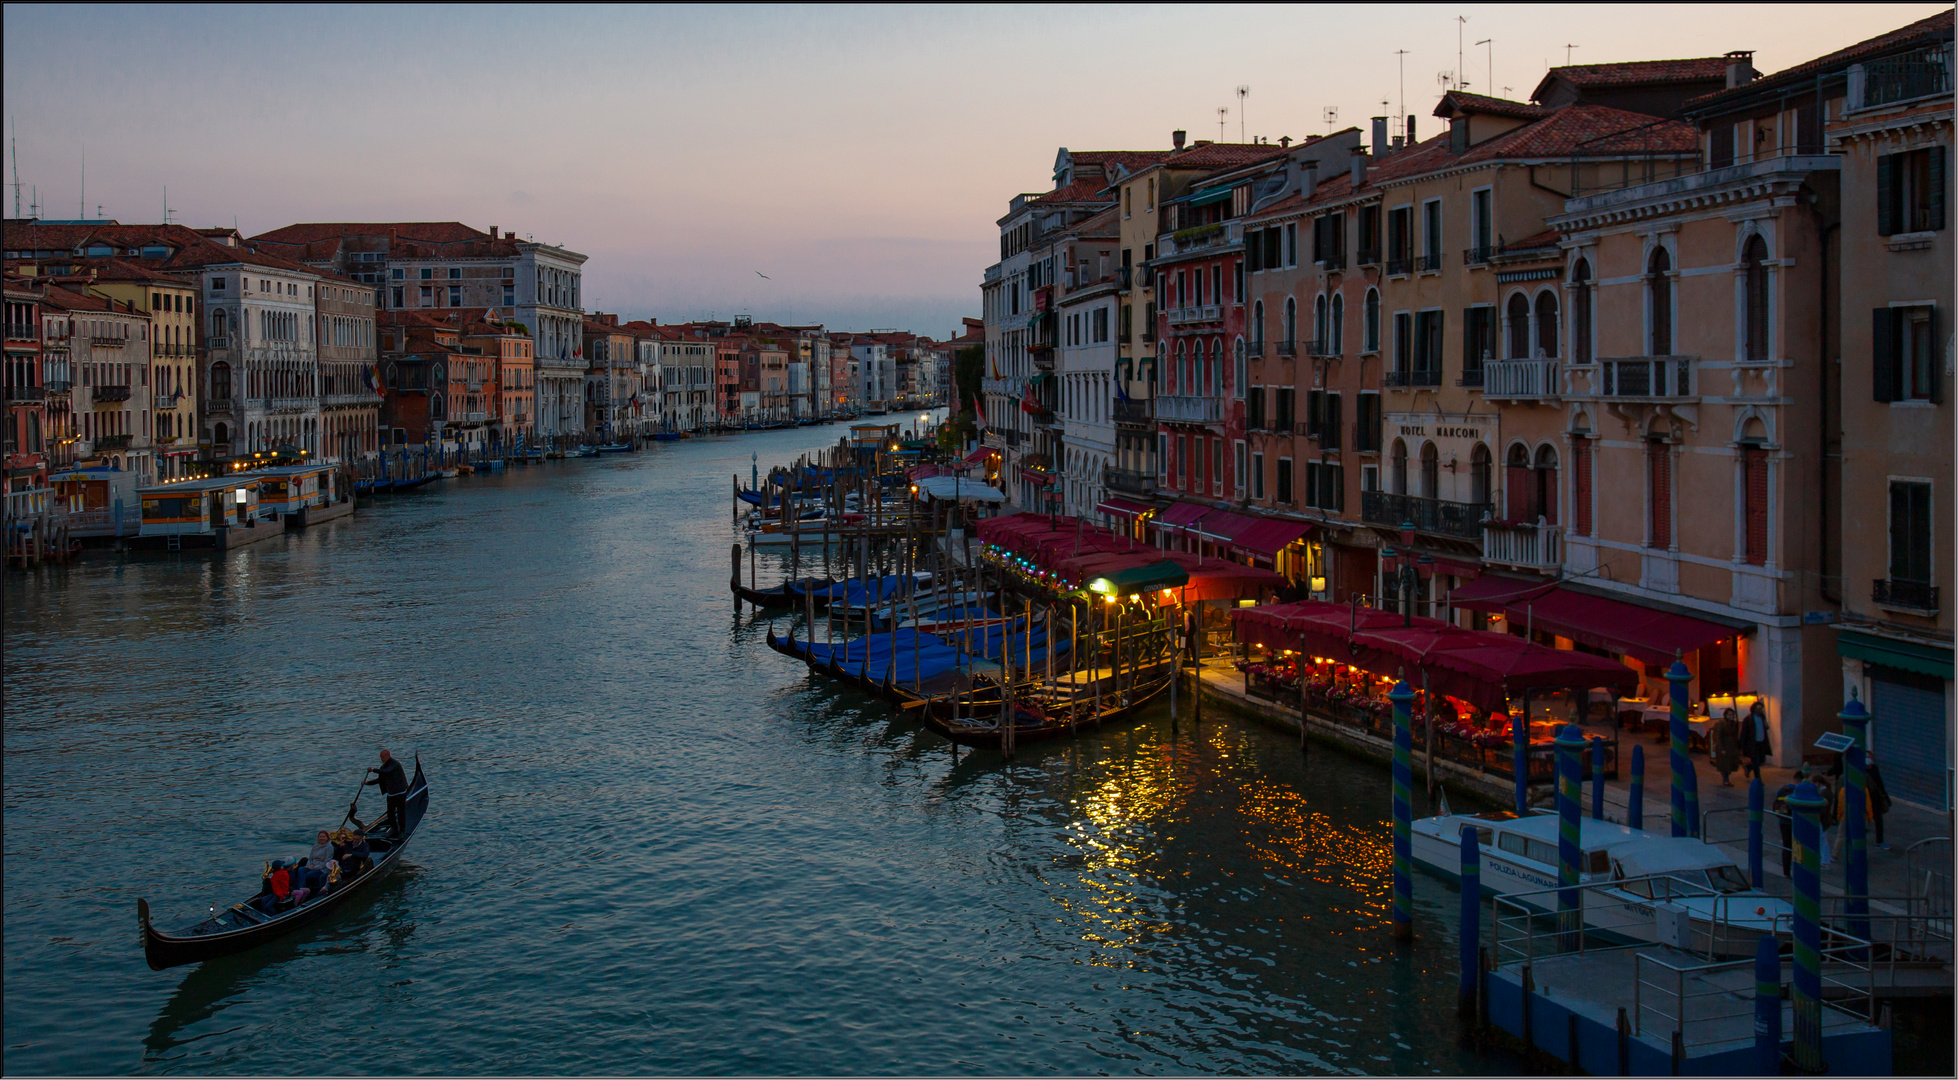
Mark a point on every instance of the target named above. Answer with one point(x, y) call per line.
point(14, 143)
point(1567, 49)
point(1491, 42)
point(1331, 115)
point(1242, 93)
point(1461, 24)
point(1222, 112)
point(1401, 55)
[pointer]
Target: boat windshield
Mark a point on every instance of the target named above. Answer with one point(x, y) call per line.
point(1728, 879)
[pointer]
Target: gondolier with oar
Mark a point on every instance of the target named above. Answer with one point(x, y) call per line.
point(393, 784)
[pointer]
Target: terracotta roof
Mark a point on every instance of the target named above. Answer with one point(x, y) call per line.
point(427, 232)
point(1127, 159)
point(1635, 73)
point(1460, 102)
point(125, 270)
point(62, 298)
point(1932, 28)
point(1226, 155)
point(1084, 190)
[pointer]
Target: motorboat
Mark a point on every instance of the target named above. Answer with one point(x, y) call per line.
point(1639, 886)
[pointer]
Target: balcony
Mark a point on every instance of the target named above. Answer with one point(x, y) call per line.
point(108, 342)
point(166, 400)
point(58, 386)
point(1367, 257)
point(218, 341)
point(1531, 546)
point(291, 404)
point(1333, 264)
point(1667, 377)
point(105, 394)
point(1288, 348)
point(26, 393)
point(1478, 256)
point(1135, 411)
point(1185, 409)
point(1437, 516)
point(1471, 378)
point(1917, 74)
point(1427, 264)
point(218, 406)
point(1320, 350)
point(1400, 267)
point(1915, 596)
point(1408, 380)
point(1519, 379)
point(106, 443)
point(1254, 348)
point(1128, 481)
point(21, 332)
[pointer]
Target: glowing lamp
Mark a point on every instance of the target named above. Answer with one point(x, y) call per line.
point(1318, 583)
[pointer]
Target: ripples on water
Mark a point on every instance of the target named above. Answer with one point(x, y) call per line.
point(653, 845)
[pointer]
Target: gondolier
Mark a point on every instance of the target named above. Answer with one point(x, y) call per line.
point(393, 784)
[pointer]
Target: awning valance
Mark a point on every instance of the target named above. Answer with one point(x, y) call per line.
point(1205, 198)
point(1269, 536)
point(1124, 507)
point(1598, 621)
point(1907, 655)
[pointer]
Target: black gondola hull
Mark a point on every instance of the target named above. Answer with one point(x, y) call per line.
point(163, 950)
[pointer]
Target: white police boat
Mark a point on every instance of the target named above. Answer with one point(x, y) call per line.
point(1638, 886)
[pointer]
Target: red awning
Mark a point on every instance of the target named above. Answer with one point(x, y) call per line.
point(1226, 581)
point(1268, 536)
point(1466, 571)
point(1181, 514)
point(980, 455)
point(1223, 526)
point(1125, 507)
point(1599, 621)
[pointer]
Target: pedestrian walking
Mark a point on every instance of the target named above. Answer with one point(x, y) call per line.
point(1754, 741)
point(1725, 745)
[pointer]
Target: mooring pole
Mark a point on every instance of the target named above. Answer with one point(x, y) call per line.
point(1855, 796)
point(1756, 797)
point(1635, 798)
point(1403, 698)
point(1679, 678)
point(1597, 778)
point(734, 576)
point(1570, 748)
point(1767, 1003)
point(1471, 931)
point(1805, 804)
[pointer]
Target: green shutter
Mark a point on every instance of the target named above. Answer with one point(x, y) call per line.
point(1886, 210)
point(1937, 187)
point(1883, 353)
point(1933, 388)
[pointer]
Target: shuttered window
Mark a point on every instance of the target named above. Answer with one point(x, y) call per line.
point(1754, 267)
point(1910, 532)
point(1658, 288)
point(1581, 485)
point(1658, 464)
point(1329, 423)
point(1754, 487)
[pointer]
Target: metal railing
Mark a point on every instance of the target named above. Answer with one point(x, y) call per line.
point(1439, 516)
point(1128, 481)
point(1915, 74)
point(1917, 595)
point(1288, 348)
point(1424, 263)
point(1134, 411)
point(1471, 378)
point(1366, 257)
point(111, 442)
point(1519, 378)
point(1648, 376)
point(1401, 266)
point(1333, 263)
point(1319, 349)
point(1400, 379)
point(26, 393)
point(111, 393)
point(1478, 256)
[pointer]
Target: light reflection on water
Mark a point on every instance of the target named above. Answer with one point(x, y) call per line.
point(654, 845)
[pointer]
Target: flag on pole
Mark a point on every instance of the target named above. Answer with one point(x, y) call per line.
point(979, 410)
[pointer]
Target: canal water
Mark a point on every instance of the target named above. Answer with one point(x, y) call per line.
point(653, 845)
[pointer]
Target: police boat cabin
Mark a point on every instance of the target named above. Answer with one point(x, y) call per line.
point(220, 512)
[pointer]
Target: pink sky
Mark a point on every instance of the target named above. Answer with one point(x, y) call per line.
point(858, 157)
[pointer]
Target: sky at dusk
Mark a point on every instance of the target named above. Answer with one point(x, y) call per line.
point(859, 157)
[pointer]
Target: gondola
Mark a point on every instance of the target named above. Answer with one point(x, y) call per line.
point(788, 594)
point(243, 926)
point(973, 719)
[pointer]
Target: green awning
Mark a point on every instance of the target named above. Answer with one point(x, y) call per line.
point(1205, 198)
point(1141, 579)
point(1908, 655)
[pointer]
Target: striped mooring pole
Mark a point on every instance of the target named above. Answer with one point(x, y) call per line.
point(1856, 793)
point(1679, 679)
point(1805, 804)
point(1471, 921)
point(1570, 750)
point(1635, 799)
point(1519, 737)
point(1756, 818)
point(1403, 698)
point(1767, 1006)
point(1597, 778)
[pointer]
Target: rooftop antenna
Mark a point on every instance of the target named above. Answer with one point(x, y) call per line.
point(1567, 49)
point(1401, 119)
point(81, 199)
point(1242, 93)
point(15, 144)
point(1331, 115)
point(1222, 112)
point(1461, 23)
point(1491, 42)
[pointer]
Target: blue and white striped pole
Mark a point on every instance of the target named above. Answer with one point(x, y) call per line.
point(1679, 679)
point(1597, 778)
point(1471, 920)
point(1756, 818)
point(1856, 792)
point(1519, 735)
point(1403, 697)
point(1767, 1006)
point(1635, 799)
point(1570, 748)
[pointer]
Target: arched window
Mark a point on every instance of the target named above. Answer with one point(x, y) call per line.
point(1543, 494)
point(1372, 321)
point(1338, 339)
point(435, 407)
point(1291, 321)
point(1258, 325)
point(1754, 272)
point(1580, 324)
point(1319, 323)
point(1430, 472)
point(1214, 372)
point(1399, 471)
point(220, 381)
point(1518, 314)
point(1658, 291)
point(1546, 324)
point(1189, 368)
point(1516, 484)
point(1479, 470)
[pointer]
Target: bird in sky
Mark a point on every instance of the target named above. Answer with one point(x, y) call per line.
point(763, 276)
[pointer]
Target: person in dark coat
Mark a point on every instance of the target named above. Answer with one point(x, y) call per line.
point(1754, 741)
point(393, 784)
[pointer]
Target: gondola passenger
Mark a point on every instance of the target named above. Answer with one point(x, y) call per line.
point(354, 855)
point(312, 875)
point(277, 889)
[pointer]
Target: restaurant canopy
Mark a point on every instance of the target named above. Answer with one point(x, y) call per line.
point(1477, 666)
point(1068, 550)
point(960, 488)
point(1268, 536)
point(1598, 621)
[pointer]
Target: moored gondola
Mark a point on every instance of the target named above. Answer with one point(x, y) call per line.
point(788, 594)
point(242, 926)
point(973, 719)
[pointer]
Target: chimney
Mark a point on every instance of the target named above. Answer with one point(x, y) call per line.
point(492, 232)
point(1411, 140)
point(1176, 138)
point(1359, 167)
point(1284, 140)
point(1740, 67)
point(1379, 136)
point(1309, 183)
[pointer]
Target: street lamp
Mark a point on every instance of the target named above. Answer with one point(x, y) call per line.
point(1406, 571)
